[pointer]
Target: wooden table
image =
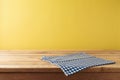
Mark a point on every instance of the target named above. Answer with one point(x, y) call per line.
point(27, 65)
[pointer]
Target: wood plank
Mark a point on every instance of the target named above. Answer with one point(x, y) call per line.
point(30, 61)
point(59, 76)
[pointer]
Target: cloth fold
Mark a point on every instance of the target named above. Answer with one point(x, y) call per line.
point(73, 63)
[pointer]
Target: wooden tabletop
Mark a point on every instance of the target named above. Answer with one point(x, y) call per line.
point(30, 61)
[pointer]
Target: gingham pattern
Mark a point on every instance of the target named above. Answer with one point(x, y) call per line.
point(73, 63)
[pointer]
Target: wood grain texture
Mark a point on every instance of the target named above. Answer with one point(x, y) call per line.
point(59, 76)
point(27, 64)
point(30, 61)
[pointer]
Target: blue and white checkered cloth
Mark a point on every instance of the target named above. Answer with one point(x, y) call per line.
point(73, 63)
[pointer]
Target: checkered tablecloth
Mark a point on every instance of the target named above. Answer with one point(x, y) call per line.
point(73, 63)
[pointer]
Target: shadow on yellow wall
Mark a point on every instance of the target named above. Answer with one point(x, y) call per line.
point(59, 24)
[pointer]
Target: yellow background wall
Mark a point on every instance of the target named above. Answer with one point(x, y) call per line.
point(117, 25)
point(59, 24)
